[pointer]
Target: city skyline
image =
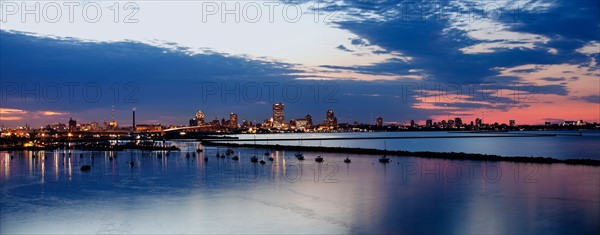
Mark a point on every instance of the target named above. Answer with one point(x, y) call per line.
point(233, 121)
point(501, 68)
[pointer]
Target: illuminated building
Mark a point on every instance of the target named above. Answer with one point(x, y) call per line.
point(278, 115)
point(379, 121)
point(511, 123)
point(330, 119)
point(233, 120)
point(200, 118)
point(113, 125)
point(301, 124)
point(309, 121)
point(148, 128)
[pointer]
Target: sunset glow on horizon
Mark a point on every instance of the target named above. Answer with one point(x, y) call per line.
point(394, 59)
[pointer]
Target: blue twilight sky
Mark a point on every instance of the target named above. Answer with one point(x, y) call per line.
point(532, 61)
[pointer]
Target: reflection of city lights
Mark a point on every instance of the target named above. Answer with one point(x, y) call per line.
point(6, 166)
point(70, 135)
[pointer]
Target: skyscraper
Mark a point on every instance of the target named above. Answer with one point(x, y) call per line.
point(233, 120)
point(309, 121)
point(200, 118)
point(379, 121)
point(113, 124)
point(278, 117)
point(133, 125)
point(72, 124)
point(330, 119)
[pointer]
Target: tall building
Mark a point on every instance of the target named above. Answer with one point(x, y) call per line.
point(511, 123)
point(112, 125)
point(379, 121)
point(233, 120)
point(309, 121)
point(133, 125)
point(94, 126)
point(478, 122)
point(72, 124)
point(458, 122)
point(330, 119)
point(278, 116)
point(429, 123)
point(200, 118)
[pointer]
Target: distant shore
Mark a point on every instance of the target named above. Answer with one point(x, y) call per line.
point(401, 153)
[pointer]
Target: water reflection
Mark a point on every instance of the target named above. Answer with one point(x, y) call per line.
point(168, 192)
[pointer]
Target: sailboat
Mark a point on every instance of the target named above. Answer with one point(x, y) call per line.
point(384, 159)
point(254, 159)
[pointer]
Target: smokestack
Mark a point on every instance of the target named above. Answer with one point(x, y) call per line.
point(134, 119)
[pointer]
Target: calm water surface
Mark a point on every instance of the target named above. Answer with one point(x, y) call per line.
point(176, 194)
point(560, 147)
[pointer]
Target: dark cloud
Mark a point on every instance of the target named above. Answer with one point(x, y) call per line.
point(343, 48)
point(594, 99)
point(553, 79)
point(359, 42)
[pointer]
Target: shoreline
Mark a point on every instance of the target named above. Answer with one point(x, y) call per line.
point(508, 135)
point(421, 154)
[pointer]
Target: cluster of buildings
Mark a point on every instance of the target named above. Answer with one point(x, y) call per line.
point(276, 122)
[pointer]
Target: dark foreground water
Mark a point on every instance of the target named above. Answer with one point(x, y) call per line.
point(176, 194)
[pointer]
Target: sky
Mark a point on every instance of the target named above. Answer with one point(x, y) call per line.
point(531, 61)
